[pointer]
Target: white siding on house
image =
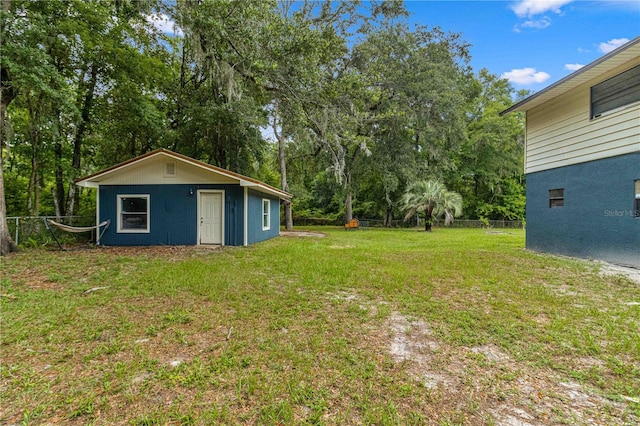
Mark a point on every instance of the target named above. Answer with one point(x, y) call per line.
point(560, 132)
point(152, 171)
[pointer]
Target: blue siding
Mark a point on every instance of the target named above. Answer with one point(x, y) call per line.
point(597, 220)
point(233, 214)
point(173, 214)
point(254, 209)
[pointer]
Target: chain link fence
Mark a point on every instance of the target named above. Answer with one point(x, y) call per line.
point(511, 224)
point(378, 223)
point(32, 231)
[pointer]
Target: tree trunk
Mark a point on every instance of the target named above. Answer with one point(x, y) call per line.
point(177, 122)
point(388, 217)
point(56, 204)
point(59, 193)
point(288, 216)
point(72, 196)
point(33, 190)
point(348, 207)
point(7, 94)
point(428, 217)
point(85, 117)
point(6, 243)
point(348, 213)
point(35, 138)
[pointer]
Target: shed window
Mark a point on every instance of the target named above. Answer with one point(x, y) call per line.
point(616, 92)
point(266, 214)
point(133, 213)
point(636, 203)
point(556, 198)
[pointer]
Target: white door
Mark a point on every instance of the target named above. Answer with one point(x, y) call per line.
point(210, 218)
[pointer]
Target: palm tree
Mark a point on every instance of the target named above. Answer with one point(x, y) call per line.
point(432, 198)
point(451, 206)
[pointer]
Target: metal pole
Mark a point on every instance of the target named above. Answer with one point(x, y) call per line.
point(17, 226)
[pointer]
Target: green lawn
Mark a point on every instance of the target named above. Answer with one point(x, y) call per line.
point(363, 327)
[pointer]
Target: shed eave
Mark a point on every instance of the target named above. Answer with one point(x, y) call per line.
point(266, 190)
point(88, 184)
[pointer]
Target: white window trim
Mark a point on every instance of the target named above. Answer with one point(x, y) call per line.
point(268, 214)
point(119, 198)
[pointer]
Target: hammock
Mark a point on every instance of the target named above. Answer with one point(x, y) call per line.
point(75, 229)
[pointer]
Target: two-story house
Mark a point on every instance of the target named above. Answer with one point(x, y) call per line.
point(582, 161)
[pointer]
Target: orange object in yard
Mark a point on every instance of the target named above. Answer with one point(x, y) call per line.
point(352, 224)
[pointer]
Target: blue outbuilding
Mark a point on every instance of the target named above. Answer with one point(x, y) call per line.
point(165, 198)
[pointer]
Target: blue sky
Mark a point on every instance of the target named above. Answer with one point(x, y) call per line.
point(533, 43)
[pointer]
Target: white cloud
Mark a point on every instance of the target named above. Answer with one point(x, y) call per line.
point(529, 8)
point(526, 76)
point(606, 47)
point(539, 24)
point(164, 24)
point(573, 67)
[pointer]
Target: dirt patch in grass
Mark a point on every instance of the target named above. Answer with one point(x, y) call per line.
point(485, 384)
point(515, 393)
point(302, 234)
point(609, 269)
point(36, 280)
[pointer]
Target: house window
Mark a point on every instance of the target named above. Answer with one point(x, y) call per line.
point(636, 204)
point(616, 92)
point(266, 214)
point(556, 198)
point(133, 213)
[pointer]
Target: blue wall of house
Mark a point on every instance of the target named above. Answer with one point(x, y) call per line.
point(597, 220)
point(173, 214)
point(256, 233)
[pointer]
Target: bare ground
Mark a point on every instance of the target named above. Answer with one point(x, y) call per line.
point(610, 269)
point(533, 397)
point(507, 392)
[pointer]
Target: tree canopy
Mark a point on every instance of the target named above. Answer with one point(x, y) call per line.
point(360, 103)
